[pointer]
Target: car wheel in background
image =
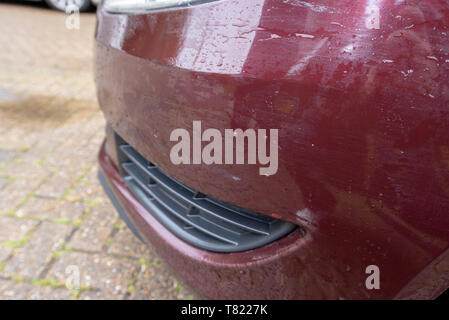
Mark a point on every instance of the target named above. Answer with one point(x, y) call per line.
point(62, 5)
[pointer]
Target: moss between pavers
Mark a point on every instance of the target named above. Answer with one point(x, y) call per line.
point(144, 261)
point(178, 287)
point(16, 244)
point(61, 221)
point(47, 282)
point(51, 282)
point(131, 285)
point(76, 294)
point(64, 247)
point(34, 218)
point(10, 179)
point(39, 162)
point(32, 194)
point(152, 262)
point(18, 279)
point(13, 210)
point(57, 254)
point(109, 242)
point(119, 225)
point(91, 203)
point(69, 190)
point(77, 223)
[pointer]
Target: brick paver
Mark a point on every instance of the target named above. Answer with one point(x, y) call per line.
point(55, 221)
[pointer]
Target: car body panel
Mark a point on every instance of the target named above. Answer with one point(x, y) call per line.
point(362, 113)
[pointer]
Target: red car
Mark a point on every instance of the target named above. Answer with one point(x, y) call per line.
point(356, 94)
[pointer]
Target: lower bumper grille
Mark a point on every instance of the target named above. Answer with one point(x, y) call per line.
point(200, 220)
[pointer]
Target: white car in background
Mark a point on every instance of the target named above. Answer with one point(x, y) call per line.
point(63, 5)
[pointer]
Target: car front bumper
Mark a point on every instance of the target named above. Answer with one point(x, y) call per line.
point(363, 165)
point(280, 270)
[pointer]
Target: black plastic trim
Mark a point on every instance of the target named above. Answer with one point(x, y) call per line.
point(117, 205)
point(194, 217)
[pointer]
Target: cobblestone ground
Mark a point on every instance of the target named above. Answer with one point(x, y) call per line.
point(55, 220)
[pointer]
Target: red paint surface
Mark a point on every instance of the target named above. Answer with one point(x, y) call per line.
point(363, 135)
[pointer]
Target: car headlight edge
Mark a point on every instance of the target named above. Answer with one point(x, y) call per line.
point(139, 6)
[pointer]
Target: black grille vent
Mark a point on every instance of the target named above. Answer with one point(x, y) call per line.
point(192, 216)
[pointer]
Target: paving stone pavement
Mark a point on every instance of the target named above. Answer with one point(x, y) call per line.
point(56, 224)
